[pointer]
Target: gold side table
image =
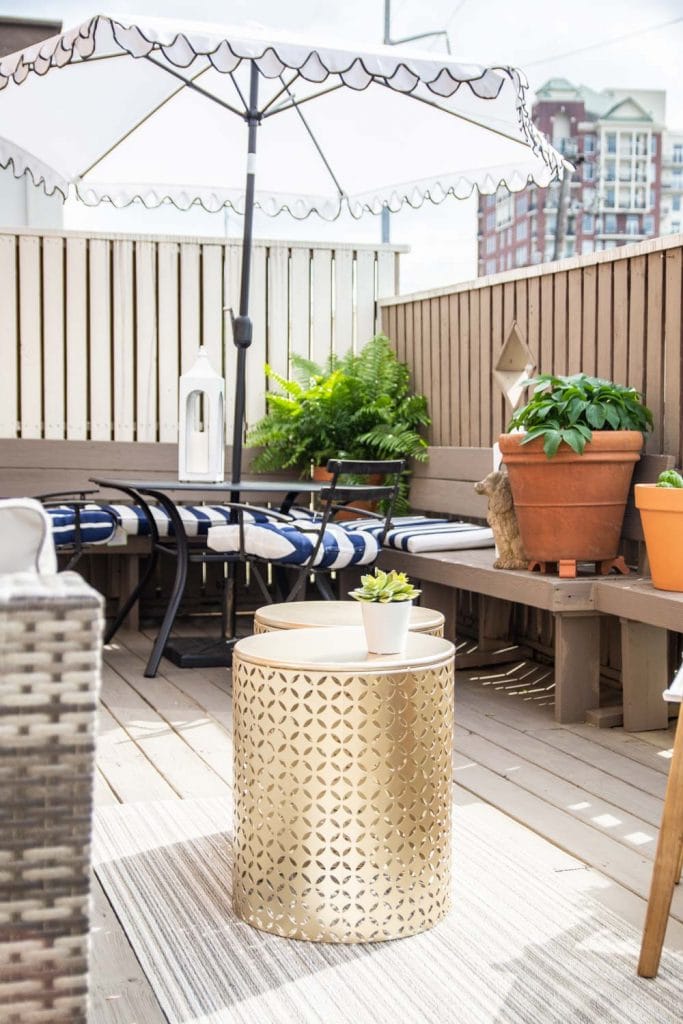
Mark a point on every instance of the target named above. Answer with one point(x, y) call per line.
point(300, 614)
point(342, 785)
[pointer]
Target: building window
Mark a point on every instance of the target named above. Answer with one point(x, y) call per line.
point(588, 224)
point(610, 170)
point(522, 231)
point(649, 224)
point(588, 172)
point(610, 223)
point(676, 202)
point(505, 209)
point(589, 143)
point(521, 256)
point(632, 225)
point(677, 177)
point(675, 227)
point(491, 266)
point(678, 153)
point(610, 245)
point(490, 244)
point(611, 140)
point(522, 204)
point(610, 197)
point(490, 221)
point(653, 145)
point(587, 246)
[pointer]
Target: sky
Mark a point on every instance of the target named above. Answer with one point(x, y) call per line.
point(600, 43)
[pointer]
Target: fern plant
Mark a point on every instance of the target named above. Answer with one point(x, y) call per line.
point(358, 406)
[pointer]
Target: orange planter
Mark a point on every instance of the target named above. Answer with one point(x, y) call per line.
point(572, 506)
point(661, 513)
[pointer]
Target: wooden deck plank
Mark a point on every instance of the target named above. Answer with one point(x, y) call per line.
point(178, 763)
point(119, 990)
point(130, 774)
point(609, 794)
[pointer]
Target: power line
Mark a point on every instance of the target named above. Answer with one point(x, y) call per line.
point(605, 42)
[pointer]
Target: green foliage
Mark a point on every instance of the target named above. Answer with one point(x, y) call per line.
point(385, 587)
point(670, 478)
point(569, 409)
point(358, 406)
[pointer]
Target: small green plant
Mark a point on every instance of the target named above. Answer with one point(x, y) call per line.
point(670, 478)
point(568, 409)
point(384, 587)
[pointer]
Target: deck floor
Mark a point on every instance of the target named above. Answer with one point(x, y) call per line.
point(596, 794)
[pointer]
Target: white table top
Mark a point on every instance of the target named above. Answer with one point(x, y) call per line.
point(298, 614)
point(339, 649)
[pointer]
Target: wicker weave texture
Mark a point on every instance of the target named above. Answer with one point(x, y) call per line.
point(50, 650)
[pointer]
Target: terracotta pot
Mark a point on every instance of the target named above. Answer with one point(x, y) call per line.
point(661, 513)
point(321, 475)
point(571, 506)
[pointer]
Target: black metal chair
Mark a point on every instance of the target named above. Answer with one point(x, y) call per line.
point(317, 544)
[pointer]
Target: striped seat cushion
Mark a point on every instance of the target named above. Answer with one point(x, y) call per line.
point(420, 533)
point(285, 544)
point(197, 519)
point(98, 525)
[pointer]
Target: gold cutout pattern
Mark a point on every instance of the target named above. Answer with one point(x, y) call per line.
point(342, 800)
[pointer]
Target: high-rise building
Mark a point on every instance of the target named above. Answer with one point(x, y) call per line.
point(627, 184)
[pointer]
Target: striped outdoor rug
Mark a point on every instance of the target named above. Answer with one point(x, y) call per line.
point(527, 942)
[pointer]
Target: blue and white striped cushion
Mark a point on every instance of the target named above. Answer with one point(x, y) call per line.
point(98, 525)
point(420, 533)
point(197, 519)
point(283, 544)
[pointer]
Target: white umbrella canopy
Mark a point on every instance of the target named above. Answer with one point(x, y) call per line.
point(132, 109)
point(104, 112)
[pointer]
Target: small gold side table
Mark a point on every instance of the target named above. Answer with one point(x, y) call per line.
point(300, 614)
point(342, 785)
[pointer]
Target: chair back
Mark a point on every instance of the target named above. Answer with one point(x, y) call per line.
point(340, 495)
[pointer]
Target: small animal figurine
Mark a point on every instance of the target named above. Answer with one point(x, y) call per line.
point(503, 521)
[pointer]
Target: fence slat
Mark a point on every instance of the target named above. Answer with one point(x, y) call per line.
point(636, 323)
point(146, 341)
point(278, 310)
point(99, 348)
point(124, 363)
point(9, 339)
point(30, 356)
point(168, 333)
point(212, 304)
point(342, 327)
point(232, 274)
point(620, 323)
point(300, 302)
point(255, 405)
point(77, 384)
point(190, 305)
point(321, 288)
point(53, 337)
point(672, 350)
point(465, 411)
point(365, 297)
point(654, 383)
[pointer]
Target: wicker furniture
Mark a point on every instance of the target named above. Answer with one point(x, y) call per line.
point(342, 785)
point(50, 629)
point(302, 614)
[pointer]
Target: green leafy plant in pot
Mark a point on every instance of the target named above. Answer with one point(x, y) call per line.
point(661, 513)
point(570, 455)
point(386, 599)
point(359, 406)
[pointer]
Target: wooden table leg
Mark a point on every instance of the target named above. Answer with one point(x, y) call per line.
point(644, 674)
point(667, 864)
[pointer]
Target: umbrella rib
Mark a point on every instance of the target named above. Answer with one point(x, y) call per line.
point(462, 117)
point(138, 124)
point(285, 88)
point(298, 103)
point(308, 128)
point(190, 84)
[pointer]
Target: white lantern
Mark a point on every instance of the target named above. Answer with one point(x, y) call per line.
point(201, 423)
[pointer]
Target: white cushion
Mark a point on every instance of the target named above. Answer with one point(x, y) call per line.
point(26, 543)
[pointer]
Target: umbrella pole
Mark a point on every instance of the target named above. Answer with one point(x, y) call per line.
point(242, 326)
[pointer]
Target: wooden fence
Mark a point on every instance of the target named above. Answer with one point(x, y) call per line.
point(95, 330)
point(615, 314)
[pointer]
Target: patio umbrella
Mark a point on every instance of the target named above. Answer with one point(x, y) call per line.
point(153, 111)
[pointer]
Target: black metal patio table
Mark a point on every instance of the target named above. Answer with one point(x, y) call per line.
point(192, 652)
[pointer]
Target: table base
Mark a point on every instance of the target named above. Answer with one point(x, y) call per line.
point(199, 652)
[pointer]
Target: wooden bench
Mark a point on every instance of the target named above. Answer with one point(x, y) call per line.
point(445, 485)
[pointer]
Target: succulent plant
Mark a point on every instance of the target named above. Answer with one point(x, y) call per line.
point(670, 478)
point(385, 587)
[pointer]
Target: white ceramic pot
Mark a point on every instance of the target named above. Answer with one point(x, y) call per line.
point(386, 625)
